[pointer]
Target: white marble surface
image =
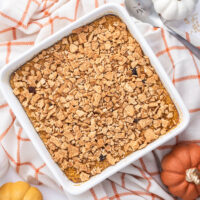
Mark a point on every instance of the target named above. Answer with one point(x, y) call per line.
point(48, 194)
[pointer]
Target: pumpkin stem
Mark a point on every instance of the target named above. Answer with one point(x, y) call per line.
point(193, 175)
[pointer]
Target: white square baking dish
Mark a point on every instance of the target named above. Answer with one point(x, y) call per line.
point(15, 105)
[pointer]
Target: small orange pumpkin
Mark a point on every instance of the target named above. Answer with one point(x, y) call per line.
point(181, 171)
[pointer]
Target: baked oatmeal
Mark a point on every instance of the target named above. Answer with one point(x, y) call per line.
point(94, 98)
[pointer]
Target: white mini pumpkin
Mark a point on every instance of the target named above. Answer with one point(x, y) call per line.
point(4, 164)
point(174, 9)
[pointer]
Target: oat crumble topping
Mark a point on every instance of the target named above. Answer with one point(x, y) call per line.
point(94, 98)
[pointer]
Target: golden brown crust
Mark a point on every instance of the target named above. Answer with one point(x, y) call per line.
point(94, 98)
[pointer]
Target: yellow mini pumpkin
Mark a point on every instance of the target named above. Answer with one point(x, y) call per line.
point(19, 191)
